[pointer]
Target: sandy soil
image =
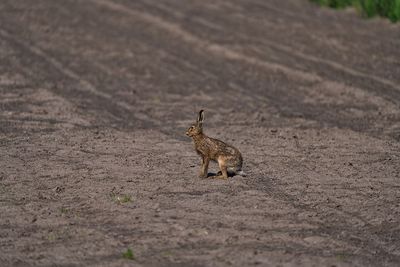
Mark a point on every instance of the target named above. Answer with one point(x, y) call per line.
point(95, 97)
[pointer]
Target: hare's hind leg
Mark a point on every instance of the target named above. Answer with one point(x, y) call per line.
point(223, 168)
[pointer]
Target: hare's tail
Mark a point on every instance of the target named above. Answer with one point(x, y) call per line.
point(241, 173)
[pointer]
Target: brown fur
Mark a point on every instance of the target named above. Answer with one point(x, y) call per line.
point(228, 157)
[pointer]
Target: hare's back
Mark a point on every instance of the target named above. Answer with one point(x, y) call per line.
point(226, 150)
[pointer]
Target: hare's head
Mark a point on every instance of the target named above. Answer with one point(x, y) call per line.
point(196, 128)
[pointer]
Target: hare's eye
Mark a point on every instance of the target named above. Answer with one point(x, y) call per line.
point(192, 127)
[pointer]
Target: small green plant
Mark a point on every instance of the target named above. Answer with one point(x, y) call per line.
point(167, 254)
point(121, 199)
point(51, 236)
point(341, 257)
point(128, 254)
point(370, 8)
point(63, 210)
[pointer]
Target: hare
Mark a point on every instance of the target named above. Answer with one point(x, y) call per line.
point(228, 157)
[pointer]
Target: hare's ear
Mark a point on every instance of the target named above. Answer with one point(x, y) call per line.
point(200, 119)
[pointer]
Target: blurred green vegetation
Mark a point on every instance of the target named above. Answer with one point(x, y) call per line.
point(370, 8)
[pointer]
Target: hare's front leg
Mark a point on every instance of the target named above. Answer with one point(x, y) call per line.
point(204, 167)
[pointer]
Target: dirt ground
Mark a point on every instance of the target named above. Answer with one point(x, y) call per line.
point(95, 97)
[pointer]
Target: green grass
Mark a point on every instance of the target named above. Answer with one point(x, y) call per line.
point(128, 254)
point(370, 8)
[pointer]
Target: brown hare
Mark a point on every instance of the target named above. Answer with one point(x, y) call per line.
point(228, 157)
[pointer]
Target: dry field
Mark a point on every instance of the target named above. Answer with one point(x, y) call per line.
point(95, 97)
